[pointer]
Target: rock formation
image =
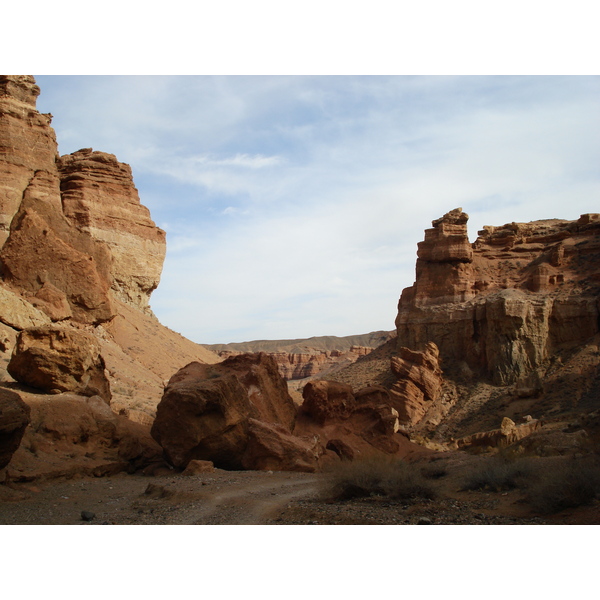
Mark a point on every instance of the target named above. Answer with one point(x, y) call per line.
point(55, 360)
point(78, 249)
point(302, 365)
point(350, 424)
point(14, 418)
point(206, 410)
point(419, 382)
point(100, 199)
point(504, 304)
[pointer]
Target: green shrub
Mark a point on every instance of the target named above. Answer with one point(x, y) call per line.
point(374, 476)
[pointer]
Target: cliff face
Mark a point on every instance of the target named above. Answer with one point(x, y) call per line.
point(78, 249)
point(100, 199)
point(505, 304)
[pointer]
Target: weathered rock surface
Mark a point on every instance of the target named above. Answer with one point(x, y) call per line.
point(419, 382)
point(349, 425)
point(100, 199)
point(27, 144)
point(78, 248)
point(18, 313)
point(55, 359)
point(504, 304)
point(78, 435)
point(301, 365)
point(272, 447)
point(14, 418)
point(508, 433)
point(206, 409)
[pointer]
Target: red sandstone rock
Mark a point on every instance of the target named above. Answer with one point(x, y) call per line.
point(507, 434)
point(301, 365)
point(196, 467)
point(72, 434)
point(419, 382)
point(272, 447)
point(505, 303)
point(14, 418)
point(205, 410)
point(100, 199)
point(327, 400)
point(51, 358)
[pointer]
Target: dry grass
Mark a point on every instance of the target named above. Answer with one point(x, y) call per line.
point(391, 478)
point(549, 484)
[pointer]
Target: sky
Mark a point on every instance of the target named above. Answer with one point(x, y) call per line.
point(293, 205)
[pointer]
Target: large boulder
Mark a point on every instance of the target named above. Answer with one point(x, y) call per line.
point(65, 360)
point(14, 418)
point(206, 409)
point(272, 447)
point(327, 400)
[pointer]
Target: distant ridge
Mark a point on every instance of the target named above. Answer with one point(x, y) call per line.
point(302, 346)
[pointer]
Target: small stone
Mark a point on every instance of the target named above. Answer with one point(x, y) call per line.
point(424, 521)
point(87, 515)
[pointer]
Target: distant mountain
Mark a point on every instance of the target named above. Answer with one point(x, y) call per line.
point(303, 346)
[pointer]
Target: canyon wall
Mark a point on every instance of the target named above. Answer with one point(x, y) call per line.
point(78, 250)
point(504, 305)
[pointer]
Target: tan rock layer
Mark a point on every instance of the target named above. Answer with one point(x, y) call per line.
point(100, 198)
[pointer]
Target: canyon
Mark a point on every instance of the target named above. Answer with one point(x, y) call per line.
point(497, 342)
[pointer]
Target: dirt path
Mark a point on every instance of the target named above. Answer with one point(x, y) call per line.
point(220, 498)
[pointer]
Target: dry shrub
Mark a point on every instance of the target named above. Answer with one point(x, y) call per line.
point(497, 474)
point(550, 484)
point(568, 484)
point(377, 476)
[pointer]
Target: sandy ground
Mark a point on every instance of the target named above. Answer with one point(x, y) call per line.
point(251, 497)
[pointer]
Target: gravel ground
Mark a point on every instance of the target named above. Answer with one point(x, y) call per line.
point(258, 497)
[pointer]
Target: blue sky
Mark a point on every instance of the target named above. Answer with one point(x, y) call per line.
point(293, 204)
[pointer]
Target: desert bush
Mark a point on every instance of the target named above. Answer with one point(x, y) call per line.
point(568, 484)
point(498, 474)
point(377, 476)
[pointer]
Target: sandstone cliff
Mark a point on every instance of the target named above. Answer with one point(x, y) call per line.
point(516, 319)
point(78, 249)
point(507, 303)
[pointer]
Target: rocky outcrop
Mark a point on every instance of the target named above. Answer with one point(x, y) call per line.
point(302, 365)
point(79, 249)
point(14, 418)
point(100, 199)
point(27, 144)
point(79, 435)
point(504, 304)
point(60, 360)
point(508, 433)
point(419, 382)
point(352, 424)
point(206, 410)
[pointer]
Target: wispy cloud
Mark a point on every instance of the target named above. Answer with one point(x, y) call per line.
point(335, 178)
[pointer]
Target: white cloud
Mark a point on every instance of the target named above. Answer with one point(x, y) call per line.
point(335, 179)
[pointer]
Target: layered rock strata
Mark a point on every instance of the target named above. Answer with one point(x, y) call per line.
point(504, 304)
point(100, 199)
point(419, 382)
point(77, 248)
point(302, 365)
